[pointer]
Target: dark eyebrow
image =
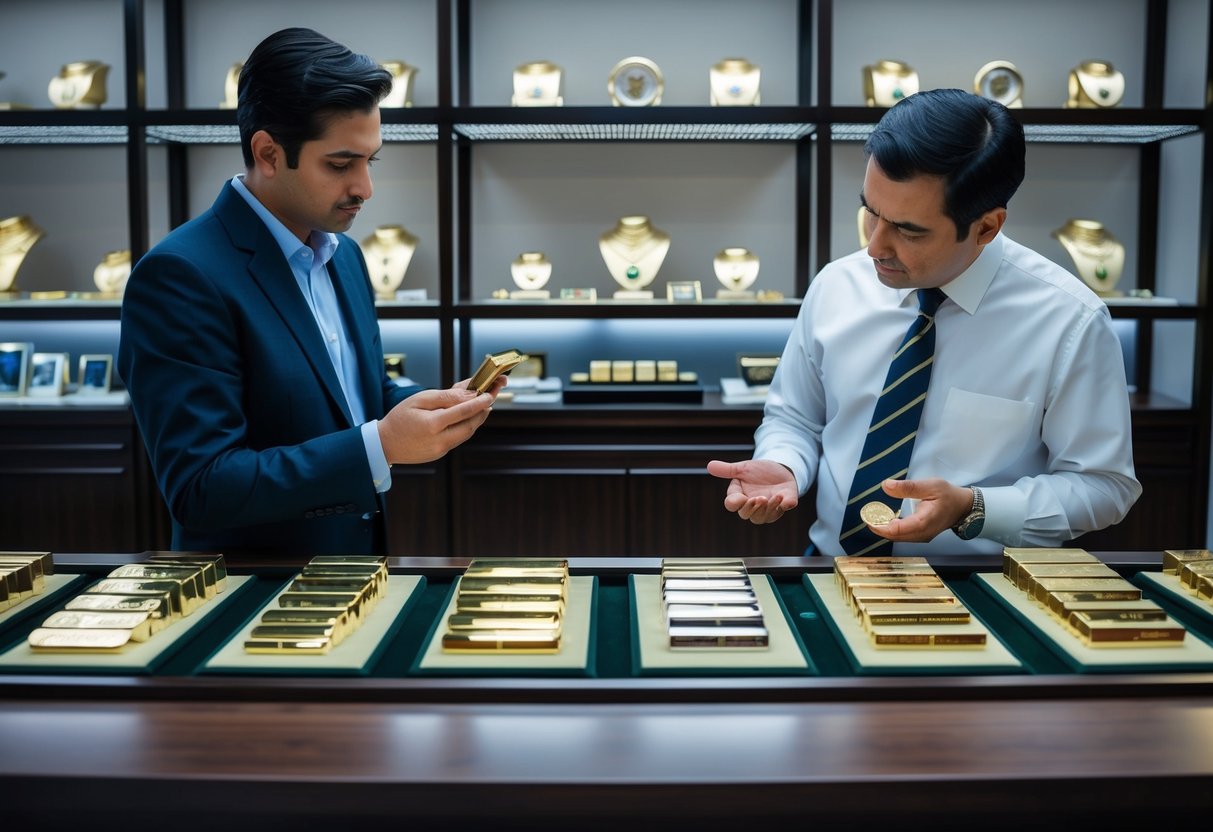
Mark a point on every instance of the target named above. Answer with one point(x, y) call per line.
point(904, 226)
point(349, 154)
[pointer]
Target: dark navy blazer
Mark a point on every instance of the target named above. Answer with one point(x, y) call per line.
point(245, 422)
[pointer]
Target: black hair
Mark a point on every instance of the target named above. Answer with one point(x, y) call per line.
point(295, 81)
point(974, 143)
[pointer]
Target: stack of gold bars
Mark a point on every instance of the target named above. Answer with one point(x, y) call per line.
point(1194, 568)
point(710, 602)
point(322, 605)
point(509, 605)
point(1090, 598)
point(132, 604)
point(903, 603)
point(23, 575)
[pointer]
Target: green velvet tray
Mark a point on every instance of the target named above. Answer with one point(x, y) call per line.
point(55, 587)
point(1194, 654)
point(652, 655)
point(993, 657)
point(576, 656)
point(137, 658)
point(1170, 587)
point(354, 656)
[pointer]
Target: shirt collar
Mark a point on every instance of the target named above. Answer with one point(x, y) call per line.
point(323, 245)
point(970, 286)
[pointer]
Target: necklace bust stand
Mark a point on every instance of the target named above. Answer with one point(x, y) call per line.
point(736, 269)
point(531, 272)
point(633, 252)
point(537, 85)
point(1095, 84)
point(111, 274)
point(79, 86)
point(1099, 258)
point(887, 82)
point(388, 251)
point(17, 236)
point(734, 83)
point(231, 87)
point(403, 76)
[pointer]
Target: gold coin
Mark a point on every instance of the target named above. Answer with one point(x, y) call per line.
point(876, 514)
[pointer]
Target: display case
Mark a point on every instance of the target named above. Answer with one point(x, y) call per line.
point(479, 182)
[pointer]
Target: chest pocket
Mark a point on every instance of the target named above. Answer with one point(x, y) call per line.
point(982, 434)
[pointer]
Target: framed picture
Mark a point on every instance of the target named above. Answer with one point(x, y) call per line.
point(47, 374)
point(95, 372)
point(683, 291)
point(14, 368)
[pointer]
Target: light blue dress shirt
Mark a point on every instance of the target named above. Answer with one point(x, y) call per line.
point(309, 265)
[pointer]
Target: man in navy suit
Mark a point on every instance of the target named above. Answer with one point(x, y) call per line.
point(250, 344)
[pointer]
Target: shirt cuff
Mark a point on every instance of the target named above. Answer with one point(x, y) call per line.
point(1006, 513)
point(381, 472)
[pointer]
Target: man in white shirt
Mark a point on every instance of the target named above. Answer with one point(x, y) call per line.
point(1024, 435)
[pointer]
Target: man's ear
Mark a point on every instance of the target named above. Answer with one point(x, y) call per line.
point(989, 224)
point(267, 154)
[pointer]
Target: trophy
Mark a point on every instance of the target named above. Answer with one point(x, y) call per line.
point(734, 83)
point(1099, 258)
point(388, 251)
point(531, 271)
point(633, 252)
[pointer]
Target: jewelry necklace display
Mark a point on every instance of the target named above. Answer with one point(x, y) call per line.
point(1094, 84)
point(531, 271)
point(79, 85)
point(633, 252)
point(403, 76)
point(1000, 81)
point(537, 85)
point(887, 82)
point(736, 269)
point(1099, 258)
point(388, 251)
point(112, 272)
point(17, 236)
point(734, 83)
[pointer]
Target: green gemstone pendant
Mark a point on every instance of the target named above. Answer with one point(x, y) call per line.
point(632, 272)
point(1101, 272)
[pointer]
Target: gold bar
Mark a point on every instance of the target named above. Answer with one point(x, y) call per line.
point(888, 581)
point(351, 602)
point(157, 606)
point(45, 560)
point(1172, 559)
point(502, 641)
point(705, 573)
point(192, 578)
point(549, 585)
point(600, 372)
point(541, 565)
point(667, 371)
point(1011, 558)
point(48, 640)
point(509, 603)
point(371, 574)
point(1096, 616)
point(697, 584)
point(1128, 633)
point(139, 624)
point(503, 620)
point(1189, 572)
point(1061, 604)
point(1029, 573)
point(296, 630)
point(475, 571)
point(1044, 586)
point(1204, 587)
point(217, 571)
point(880, 615)
point(646, 371)
point(862, 595)
point(368, 591)
point(6, 601)
point(20, 580)
point(695, 637)
point(714, 596)
point(133, 586)
point(622, 371)
point(288, 646)
point(696, 563)
point(844, 562)
point(32, 567)
point(920, 636)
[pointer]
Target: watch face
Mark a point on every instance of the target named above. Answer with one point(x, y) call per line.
point(635, 82)
point(1000, 81)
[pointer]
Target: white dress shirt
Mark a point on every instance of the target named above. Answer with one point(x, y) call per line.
point(1027, 400)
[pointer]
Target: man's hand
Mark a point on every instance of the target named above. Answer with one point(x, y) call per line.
point(759, 490)
point(941, 506)
point(426, 425)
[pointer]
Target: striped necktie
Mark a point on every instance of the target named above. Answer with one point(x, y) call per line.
point(886, 451)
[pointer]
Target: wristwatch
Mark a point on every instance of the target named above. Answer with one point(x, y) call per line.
point(973, 522)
